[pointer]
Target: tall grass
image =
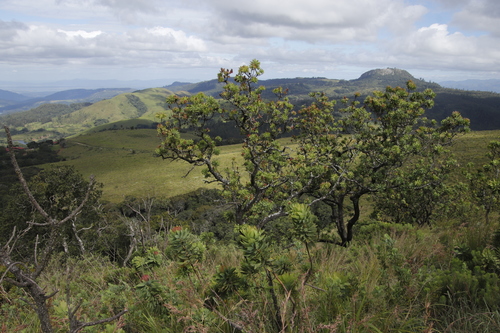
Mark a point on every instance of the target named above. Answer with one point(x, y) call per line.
point(386, 281)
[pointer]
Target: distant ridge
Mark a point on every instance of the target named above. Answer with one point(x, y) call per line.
point(477, 85)
point(177, 84)
point(12, 96)
point(482, 108)
point(300, 87)
point(66, 97)
point(87, 94)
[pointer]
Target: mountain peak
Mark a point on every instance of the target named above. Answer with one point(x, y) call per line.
point(385, 72)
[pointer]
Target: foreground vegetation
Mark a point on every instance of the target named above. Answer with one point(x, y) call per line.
point(393, 278)
point(262, 255)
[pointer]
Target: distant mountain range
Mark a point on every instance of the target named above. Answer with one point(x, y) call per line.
point(481, 85)
point(73, 111)
point(482, 107)
point(48, 87)
point(9, 96)
point(13, 102)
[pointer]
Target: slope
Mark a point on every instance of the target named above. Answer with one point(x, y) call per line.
point(140, 104)
point(64, 97)
point(52, 121)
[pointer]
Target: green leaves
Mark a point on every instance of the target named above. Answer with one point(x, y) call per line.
point(184, 247)
point(256, 249)
point(227, 281)
point(484, 182)
point(151, 259)
point(304, 227)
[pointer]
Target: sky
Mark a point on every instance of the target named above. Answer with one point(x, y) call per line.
point(190, 40)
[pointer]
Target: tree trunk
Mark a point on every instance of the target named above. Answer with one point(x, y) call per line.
point(337, 217)
point(277, 311)
point(345, 230)
point(25, 281)
point(41, 307)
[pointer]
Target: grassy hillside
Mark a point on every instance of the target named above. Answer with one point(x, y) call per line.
point(124, 161)
point(142, 104)
point(40, 124)
point(391, 278)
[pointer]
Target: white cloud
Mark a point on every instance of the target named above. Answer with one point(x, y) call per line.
point(81, 33)
point(312, 21)
point(483, 15)
point(442, 49)
point(41, 44)
point(292, 36)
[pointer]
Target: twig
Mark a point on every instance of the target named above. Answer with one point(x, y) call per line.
point(97, 322)
point(318, 288)
point(7, 270)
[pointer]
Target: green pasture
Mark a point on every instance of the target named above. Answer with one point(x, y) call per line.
point(124, 161)
point(472, 147)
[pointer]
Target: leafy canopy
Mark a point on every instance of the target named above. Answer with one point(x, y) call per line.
point(336, 155)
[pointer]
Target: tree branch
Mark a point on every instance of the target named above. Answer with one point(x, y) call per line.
point(19, 174)
point(81, 326)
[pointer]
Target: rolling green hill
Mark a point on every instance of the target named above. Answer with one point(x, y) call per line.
point(142, 104)
point(53, 121)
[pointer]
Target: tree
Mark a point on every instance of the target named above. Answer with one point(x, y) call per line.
point(58, 190)
point(420, 193)
point(373, 148)
point(25, 271)
point(253, 187)
point(485, 181)
point(338, 155)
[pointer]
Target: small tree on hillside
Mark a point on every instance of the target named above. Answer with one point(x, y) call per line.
point(374, 148)
point(259, 187)
point(485, 181)
point(58, 189)
point(333, 159)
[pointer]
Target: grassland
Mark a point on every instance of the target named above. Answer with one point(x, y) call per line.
point(473, 146)
point(124, 161)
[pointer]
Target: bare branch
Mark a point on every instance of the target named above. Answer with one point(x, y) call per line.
point(7, 270)
point(74, 212)
point(189, 171)
point(24, 184)
point(6, 246)
point(97, 322)
point(36, 251)
point(78, 239)
point(52, 295)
